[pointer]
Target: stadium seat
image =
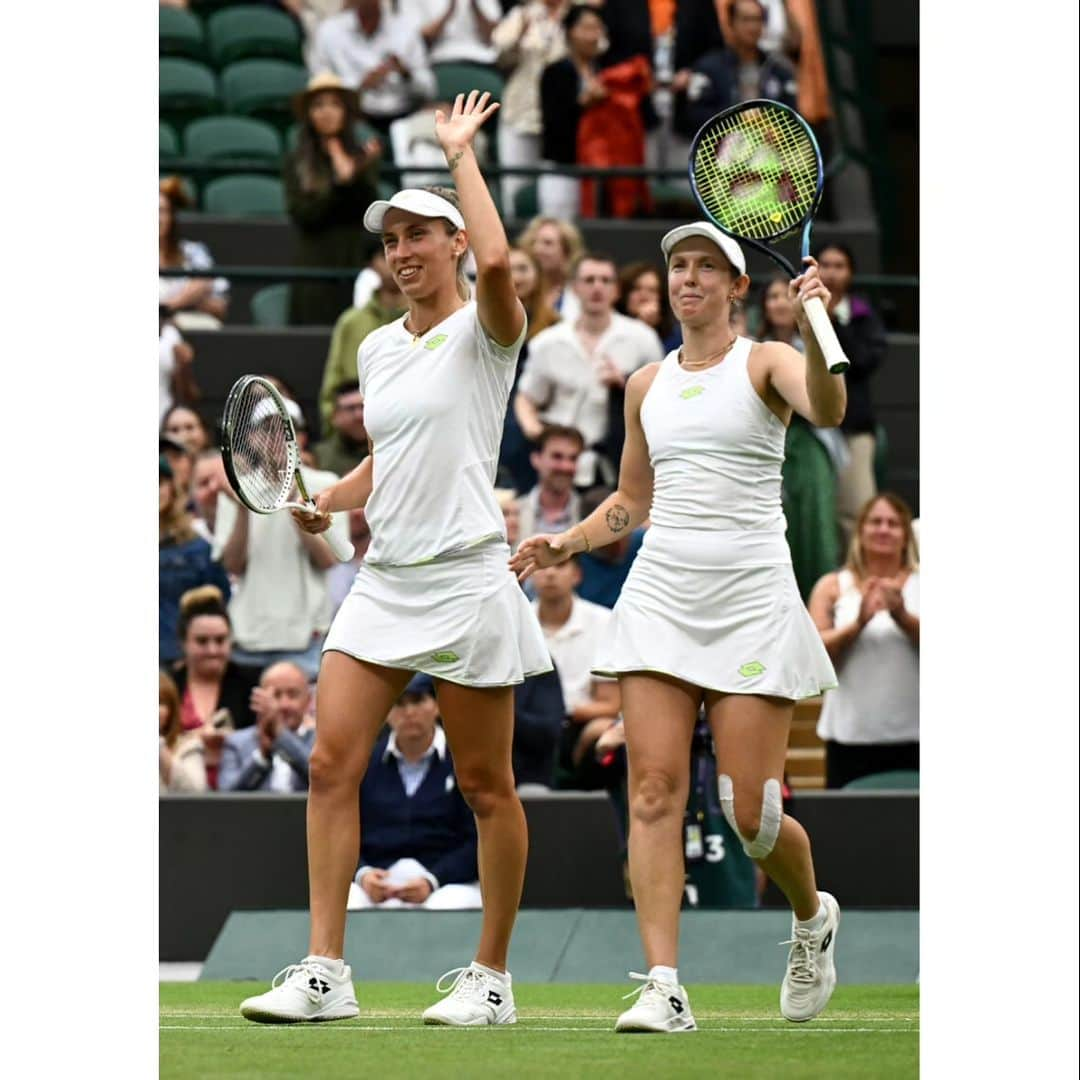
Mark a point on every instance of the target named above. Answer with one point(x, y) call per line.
point(526, 204)
point(240, 137)
point(263, 89)
point(245, 195)
point(168, 141)
point(881, 458)
point(180, 33)
point(896, 780)
point(247, 31)
point(186, 91)
point(270, 306)
point(454, 79)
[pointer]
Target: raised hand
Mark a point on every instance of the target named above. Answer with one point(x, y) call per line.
point(540, 552)
point(466, 118)
point(806, 285)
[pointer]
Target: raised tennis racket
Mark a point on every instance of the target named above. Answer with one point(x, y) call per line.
point(262, 459)
point(756, 172)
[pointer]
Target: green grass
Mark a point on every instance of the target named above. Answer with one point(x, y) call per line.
point(562, 1031)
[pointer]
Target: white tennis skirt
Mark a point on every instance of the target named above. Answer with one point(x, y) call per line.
point(463, 619)
point(718, 610)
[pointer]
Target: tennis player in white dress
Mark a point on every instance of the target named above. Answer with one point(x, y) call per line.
point(710, 612)
point(434, 593)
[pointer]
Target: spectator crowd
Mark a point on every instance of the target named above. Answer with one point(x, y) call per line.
point(245, 600)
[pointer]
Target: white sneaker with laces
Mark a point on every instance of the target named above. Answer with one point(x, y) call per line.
point(811, 971)
point(660, 1006)
point(308, 991)
point(475, 998)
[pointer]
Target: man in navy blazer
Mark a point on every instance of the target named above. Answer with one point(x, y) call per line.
point(273, 755)
point(418, 836)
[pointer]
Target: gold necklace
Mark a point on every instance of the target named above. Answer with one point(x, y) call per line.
point(698, 365)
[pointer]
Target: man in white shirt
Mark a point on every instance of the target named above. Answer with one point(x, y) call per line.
point(553, 505)
point(379, 54)
point(458, 31)
point(574, 368)
point(573, 629)
point(280, 606)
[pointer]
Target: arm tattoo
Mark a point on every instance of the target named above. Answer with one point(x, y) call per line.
point(453, 162)
point(617, 518)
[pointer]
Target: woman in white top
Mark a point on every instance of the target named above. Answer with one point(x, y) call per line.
point(868, 615)
point(710, 613)
point(433, 593)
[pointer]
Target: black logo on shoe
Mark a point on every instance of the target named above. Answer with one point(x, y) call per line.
point(494, 998)
point(826, 942)
point(676, 1004)
point(318, 984)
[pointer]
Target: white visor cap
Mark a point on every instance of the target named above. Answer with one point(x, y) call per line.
point(415, 201)
point(731, 250)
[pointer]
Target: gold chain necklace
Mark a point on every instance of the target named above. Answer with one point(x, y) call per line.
point(698, 365)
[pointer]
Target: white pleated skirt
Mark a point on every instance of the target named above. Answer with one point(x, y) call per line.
point(463, 619)
point(719, 610)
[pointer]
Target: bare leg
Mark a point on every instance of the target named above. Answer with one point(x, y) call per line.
point(751, 737)
point(659, 716)
point(353, 701)
point(480, 729)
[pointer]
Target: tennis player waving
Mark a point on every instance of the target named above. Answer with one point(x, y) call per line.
point(434, 593)
point(710, 612)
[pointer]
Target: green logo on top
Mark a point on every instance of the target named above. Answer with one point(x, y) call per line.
point(445, 657)
point(748, 671)
point(434, 343)
point(692, 392)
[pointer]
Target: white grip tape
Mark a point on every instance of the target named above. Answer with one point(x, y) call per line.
point(772, 815)
point(342, 549)
point(825, 335)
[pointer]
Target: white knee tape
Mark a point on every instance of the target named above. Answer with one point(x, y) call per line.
point(772, 815)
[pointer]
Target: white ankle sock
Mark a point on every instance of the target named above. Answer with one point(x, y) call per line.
point(816, 923)
point(335, 967)
point(664, 974)
point(502, 976)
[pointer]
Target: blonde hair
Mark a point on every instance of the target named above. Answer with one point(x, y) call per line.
point(176, 523)
point(573, 243)
point(856, 561)
point(540, 313)
point(451, 196)
point(170, 696)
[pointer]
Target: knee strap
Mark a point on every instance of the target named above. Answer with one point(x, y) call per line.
point(772, 815)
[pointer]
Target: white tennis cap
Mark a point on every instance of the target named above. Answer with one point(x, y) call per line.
point(707, 229)
point(415, 201)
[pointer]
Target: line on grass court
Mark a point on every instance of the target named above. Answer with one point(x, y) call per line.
point(360, 1028)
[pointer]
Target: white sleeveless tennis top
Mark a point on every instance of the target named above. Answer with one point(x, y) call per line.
point(716, 450)
point(434, 409)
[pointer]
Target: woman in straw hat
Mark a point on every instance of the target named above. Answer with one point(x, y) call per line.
point(434, 593)
point(329, 182)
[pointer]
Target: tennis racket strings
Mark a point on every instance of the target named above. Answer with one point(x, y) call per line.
point(264, 453)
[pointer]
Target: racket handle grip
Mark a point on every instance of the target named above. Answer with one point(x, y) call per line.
point(825, 335)
point(343, 549)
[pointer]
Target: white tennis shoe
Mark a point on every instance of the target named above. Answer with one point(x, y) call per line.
point(660, 1006)
point(475, 998)
point(811, 971)
point(308, 991)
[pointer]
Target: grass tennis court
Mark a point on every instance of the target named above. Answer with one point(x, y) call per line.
point(562, 1030)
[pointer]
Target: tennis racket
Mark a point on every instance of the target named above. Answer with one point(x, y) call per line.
point(756, 172)
point(262, 460)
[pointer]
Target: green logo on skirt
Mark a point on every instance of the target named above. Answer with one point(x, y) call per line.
point(748, 671)
point(445, 657)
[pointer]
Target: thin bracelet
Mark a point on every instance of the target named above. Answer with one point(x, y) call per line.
point(588, 546)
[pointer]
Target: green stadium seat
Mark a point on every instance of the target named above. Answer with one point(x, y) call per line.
point(895, 780)
point(168, 141)
point(526, 203)
point(263, 89)
point(270, 306)
point(245, 195)
point(239, 137)
point(454, 79)
point(180, 33)
point(186, 91)
point(246, 32)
